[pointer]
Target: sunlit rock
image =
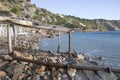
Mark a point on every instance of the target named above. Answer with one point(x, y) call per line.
point(80, 56)
point(2, 74)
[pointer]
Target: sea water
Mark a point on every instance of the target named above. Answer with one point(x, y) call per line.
point(105, 44)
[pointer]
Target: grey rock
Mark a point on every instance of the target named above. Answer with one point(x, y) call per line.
point(71, 72)
point(37, 77)
point(45, 77)
point(61, 70)
point(65, 77)
point(8, 78)
point(7, 57)
point(77, 77)
point(17, 71)
point(24, 62)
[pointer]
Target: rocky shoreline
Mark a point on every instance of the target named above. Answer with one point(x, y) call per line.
point(18, 70)
point(30, 63)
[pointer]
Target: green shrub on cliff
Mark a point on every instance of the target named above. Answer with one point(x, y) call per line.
point(15, 9)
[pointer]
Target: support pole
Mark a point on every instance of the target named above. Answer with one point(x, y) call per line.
point(15, 34)
point(52, 73)
point(58, 49)
point(69, 44)
point(9, 39)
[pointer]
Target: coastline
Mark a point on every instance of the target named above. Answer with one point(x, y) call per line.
point(26, 66)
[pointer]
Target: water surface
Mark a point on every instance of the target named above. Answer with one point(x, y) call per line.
point(92, 43)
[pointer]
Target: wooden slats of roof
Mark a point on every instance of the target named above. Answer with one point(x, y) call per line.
point(24, 23)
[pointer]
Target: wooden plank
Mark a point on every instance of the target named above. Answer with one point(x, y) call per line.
point(38, 27)
point(117, 74)
point(60, 65)
point(9, 38)
point(80, 76)
point(107, 76)
point(91, 75)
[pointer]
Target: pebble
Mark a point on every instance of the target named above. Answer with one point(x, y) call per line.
point(77, 77)
point(45, 77)
point(40, 70)
point(37, 77)
point(102, 58)
point(53, 59)
point(24, 62)
point(65, 77)
point(59, 76)
point(61, 70)
point(21, 76)
point(7, 57)
point(80, 56)
point(47, 72)
point(2, 74)
point(71, 72)
point(18, 71)
point(25, 55)
point(7, 77)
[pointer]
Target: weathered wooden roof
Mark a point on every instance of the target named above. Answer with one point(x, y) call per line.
point(29, 24)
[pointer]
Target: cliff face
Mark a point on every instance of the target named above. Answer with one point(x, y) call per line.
point(110, 25)
point(23, 9)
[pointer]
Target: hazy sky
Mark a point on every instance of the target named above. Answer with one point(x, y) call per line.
point(90, 9)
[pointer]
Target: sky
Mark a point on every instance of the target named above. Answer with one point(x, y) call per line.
point(88, 9)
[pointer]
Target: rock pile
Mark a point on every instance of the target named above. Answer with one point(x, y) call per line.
point(18, 70)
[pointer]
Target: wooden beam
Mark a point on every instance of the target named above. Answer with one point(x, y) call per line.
point(37, 27)
point(60, 65)
point(58, 49)
point(9, 38)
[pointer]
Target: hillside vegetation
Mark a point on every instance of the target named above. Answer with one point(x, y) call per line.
point(23, 9)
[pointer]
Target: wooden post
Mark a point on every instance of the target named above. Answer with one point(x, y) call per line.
point(9, 39)
point(14, 33)
point(69, 44)
point(58, 49)
point(52, 73)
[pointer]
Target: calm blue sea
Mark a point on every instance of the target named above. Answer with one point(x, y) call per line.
point(91, 43)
